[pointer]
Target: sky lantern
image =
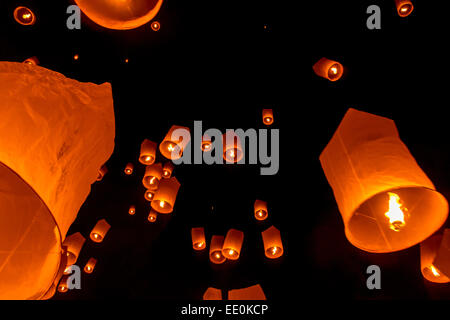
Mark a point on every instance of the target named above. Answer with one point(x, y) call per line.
point(63, 286)
point(428, 252)
point(165, 196)
point(120, 14)
point(90, 265)
point(233, 244)
point(267, 116)
point(34, 61)
point(260, 210)
point(212, 294)
point(74, 243)
point(328, 69)
point(148, 152)
point(47, 166)
point(442, 258)
point(132, 210)
point(232, 148)
point(129, 169)
point(198, 238)
point(152, 176)
point(155, 26)
point(148, 195)
point(174, 142)
point(273, 246)
point(153, 215)
point(102, 172)
point(167, 169)
point(251, 293)
point(215, 250)
point(100, 230)
point(24, 16)
point(386, 201)
point(404, 7)
point(206, 143)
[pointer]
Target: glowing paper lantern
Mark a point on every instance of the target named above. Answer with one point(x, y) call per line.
point(215, 250)
point(52, 144)
point(152, 216)
point(167, 169)
point(174, 142)
point(63, 286)
point(132, 210)
point(34, 61)
point(148, 152)
point(120, 14)
point(90, 265)
point(100, 230)
point(198, 238)
point(206, 143)
point(442, 259)
point(74, 243)
point(251, 293)
point(149, 195)
point(24, 16)
point(267, 115)
point(385, 199)
point(428, 252)
point(128, 169)
point(152, 176)
point(273, 246)
point(404, 7)
point(102, 172)
point(212, 294)
point(233, 244)
point(165, 196)
point(328, 69)
point(156, 26)
point(260, 210)
point(232, 148)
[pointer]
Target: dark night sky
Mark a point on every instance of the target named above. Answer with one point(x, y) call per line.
point(214, 61)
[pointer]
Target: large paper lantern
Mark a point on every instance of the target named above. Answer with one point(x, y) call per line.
point(386, 201)
point(120, 14)
point(198, 238)
point(90, 265)
point(267, 115)
point(251, 293)
point(24, 16)
point(273, 246)
point(428, 252)
point(212, 294)
point(442, 258)
point(232, 147)
point(404, 7)
point(174, 142)
point(233, 244)
point(148, 152)
point(260, 210)
point(55, 134)
point(100, 230)
point(328, 69)
point(74, 243)
point(215, 250)
point(165, 196)
point(167, 169)
point(152, 176)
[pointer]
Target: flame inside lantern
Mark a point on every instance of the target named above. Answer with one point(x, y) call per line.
point(434, 271)
point(396, 213)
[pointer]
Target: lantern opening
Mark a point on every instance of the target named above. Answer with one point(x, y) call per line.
point(24, 16)
point(334, 72)
point(405, 10)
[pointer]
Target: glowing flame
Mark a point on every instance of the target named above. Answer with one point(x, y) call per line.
point(274, 250)
point(148, 158)
point(396, 212)
point(218, 255)
point(161, 204)
point(152, 180)
point(170, 147)
point(434, 271)
point(231, 252)
point(334, 70)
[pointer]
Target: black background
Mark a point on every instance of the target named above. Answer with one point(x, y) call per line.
point(222, 62)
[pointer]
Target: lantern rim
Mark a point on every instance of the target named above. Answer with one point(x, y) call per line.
point(143, 157)
point(20, 19)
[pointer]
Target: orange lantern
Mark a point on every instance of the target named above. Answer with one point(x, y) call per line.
point(90, 265)
point(63, 286)
point(167, 169)
point(260, 210)
point(24, 16)
point(34, 61)
point(156, 26)
point(149, 195)
point(120, 14)
point(328, 69)
point(174, 142)
point(233, 244)
point(251, 293)
point(267, 115)
point(232, 148)
point(128, 168)
point(102, 172)
point(132, 210)
point(76, 57)
point(100, 230)
point(215, 250)
point(165, 196)
point(47, 166)
point(152, 216)
point(273, 247)
point(206, 143)
point(152, 176)
point(442, 259)
point(212, 294)
point(404, 7)
point(387, 202)
point(198, 238)
point(148, 152)
point(428, 251)
point(74, 243)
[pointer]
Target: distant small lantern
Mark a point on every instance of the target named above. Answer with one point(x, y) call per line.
point(102, 172)
point(152, 176)
point(428, 252)
point(198, 238)
point(149, 194)
point(90, 265)
point(215, 250)
point(167, 169)
point(212, 294)
point(24, 16)
point(152, 216)
point(328, 69)
point(132, 210)
point(165, 196)
point(156, 26)
point(232, 147)
point(251, 293)
point(233, 244)
point(404, 7)
point(76, 57)
point(63, 286)
point(206, 143)
point(260, 210)
point(74, 243)
point(148, 152)
point(267, 115)
point(129, 168)
point(273, 246)
point(174, 142)
point(34, 61)
point(99, 232)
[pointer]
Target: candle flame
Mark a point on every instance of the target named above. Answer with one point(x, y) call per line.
point(152, 180)
point(161, 204)
point(434, 271)
point(274, 250)
point(147, 158)
point(334, 70)
point(170, 147)
point(231, 252)
point(396, 212)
